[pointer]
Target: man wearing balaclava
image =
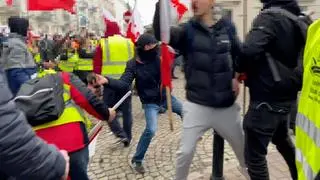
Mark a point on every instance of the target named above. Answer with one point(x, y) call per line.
point(274, 37)
point(145, 69)
point(17, 61)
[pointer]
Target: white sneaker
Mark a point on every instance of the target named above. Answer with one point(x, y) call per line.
point(244, 172)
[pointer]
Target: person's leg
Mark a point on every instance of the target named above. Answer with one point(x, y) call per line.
point(151, 114)
point(285, 146)
point(228, 124)
point(194, 126)
point(79, 164)
point(116, 128)
point(126, 110)
point(259, 125)
point(176, 106)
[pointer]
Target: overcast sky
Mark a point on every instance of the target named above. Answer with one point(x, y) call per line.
point(146, 9)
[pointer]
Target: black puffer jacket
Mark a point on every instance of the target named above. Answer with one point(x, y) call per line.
point(278, 35)
point(209, 55)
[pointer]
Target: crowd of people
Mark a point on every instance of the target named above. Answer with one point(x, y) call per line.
point(50, 86)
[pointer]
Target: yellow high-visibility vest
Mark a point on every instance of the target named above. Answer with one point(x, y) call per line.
point(308, 117)
point(116, 52)
point(71, 113)
point(69, 65)
point(37, 58)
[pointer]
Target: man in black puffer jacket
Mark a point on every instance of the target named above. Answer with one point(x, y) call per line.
point(270, 106)
point(210, 46)
point(145, 69)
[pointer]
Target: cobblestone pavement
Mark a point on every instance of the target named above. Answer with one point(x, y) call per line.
point(113, 162)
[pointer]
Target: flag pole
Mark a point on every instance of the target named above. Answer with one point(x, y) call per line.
point(169, 105)
point(165, 57)
point(245, 25)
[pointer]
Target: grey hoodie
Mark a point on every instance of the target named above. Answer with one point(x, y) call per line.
point(16, 54)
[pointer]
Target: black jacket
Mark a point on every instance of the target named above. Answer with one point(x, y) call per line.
point(147, 78)
point(279, 36)
point(209, 60)
point(23, 154)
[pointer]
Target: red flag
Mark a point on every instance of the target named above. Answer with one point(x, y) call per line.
point(9, 2)
point(166, 62)
point(112, 26)
point(49, 5)
point(180, 8)
point(135, 26)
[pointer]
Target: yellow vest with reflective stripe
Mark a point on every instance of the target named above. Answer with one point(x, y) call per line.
point(69, 65)
point(37, 58)
point(84, 64)
point(308, 118)
point(71, 113)
point(116, 52)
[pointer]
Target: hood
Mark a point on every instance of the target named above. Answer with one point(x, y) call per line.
point(290, 5)
point(18, 25)
point(150, 55)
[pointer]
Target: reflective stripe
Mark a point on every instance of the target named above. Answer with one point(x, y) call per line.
point(307, 170)
point(130, 53)
point(309, 128)
point(106, 48)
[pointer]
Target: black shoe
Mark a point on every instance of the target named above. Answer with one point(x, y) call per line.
point(126, 142)
point(137, 167)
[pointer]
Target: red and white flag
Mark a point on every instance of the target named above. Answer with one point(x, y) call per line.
point(135, 26)
point(180, 7)
point(50, 5)
point(9, 2)
point(112, 27)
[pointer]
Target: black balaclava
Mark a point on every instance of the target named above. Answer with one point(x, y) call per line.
point(146, 39)
point(18, 25)
point(290, 5)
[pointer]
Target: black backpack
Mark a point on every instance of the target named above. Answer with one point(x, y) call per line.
point(41, 99)
point(286, 78)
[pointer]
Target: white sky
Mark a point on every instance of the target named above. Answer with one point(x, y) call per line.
point(146, 9)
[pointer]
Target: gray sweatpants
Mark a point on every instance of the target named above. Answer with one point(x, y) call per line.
point(197, 120)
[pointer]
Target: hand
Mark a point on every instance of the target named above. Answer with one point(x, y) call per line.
point(101, 80)
point(235, 87)
point(67, 158)
point(112, 115)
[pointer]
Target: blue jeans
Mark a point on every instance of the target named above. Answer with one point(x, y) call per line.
point(126, 131)
point(79, 164)
point(151, 112)
point(17, 76)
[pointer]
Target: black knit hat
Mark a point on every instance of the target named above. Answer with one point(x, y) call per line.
point(18, 25)
point(146, 39)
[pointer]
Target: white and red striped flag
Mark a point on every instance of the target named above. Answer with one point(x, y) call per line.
point(135, 26)
point(112, 27)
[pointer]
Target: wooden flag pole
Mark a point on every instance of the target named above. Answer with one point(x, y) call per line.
point(169, 105)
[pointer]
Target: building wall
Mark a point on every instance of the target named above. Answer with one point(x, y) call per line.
point(235, 8)
point(60, 21)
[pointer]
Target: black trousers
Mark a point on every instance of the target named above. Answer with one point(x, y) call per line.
point(265, 122)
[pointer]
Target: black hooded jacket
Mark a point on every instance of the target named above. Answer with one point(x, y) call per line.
point(145, 70)
point(277, 35)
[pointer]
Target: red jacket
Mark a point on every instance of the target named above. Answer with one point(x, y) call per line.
point(73, 136)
